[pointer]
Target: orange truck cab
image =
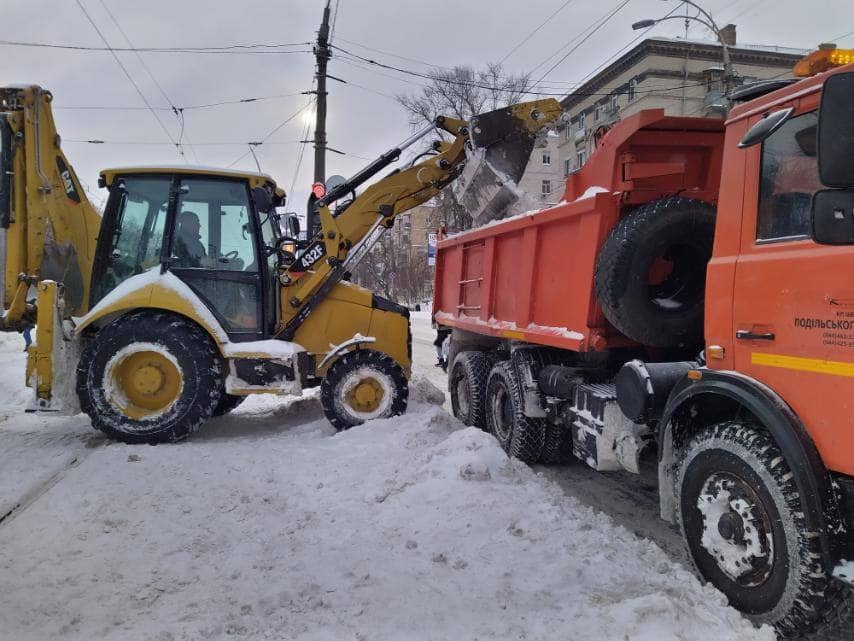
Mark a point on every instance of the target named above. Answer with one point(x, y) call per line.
point(693, 297)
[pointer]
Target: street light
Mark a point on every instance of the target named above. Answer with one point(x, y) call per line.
point(709, 23)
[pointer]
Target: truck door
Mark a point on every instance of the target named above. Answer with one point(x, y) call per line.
point(214, 249)
point(793, 300)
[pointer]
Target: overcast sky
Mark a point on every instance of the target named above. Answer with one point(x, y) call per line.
point(363, 120)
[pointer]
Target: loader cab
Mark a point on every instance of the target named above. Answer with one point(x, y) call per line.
point(210, 229)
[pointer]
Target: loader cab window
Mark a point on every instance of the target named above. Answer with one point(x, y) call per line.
point(133, 230)
point(789, 178)
point(215, 251)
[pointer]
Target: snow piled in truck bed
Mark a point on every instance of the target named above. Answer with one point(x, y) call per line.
point(269, 525)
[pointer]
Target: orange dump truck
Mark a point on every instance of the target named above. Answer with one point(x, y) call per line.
point(690, 298)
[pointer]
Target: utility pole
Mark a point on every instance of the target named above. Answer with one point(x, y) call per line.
point(322, 54)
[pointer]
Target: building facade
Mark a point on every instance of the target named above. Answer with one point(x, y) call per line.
point(683, 77)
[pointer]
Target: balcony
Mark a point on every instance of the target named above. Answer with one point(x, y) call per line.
point(579, 135)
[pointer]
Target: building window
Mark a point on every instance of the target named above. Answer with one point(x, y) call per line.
point(567, 166)
point(612, 103)
point(582, 156)
point(547, 187)
point(633, 90)
point(547, 158)
point(581, 120)
point(788, 181)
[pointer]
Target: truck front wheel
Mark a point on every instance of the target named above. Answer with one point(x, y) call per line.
point(742, 518)
point(361, 385)
point(149, 377)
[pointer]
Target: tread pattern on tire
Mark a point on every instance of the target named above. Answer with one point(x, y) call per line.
point(822, 608)
point(474, 366)
point(369, 358)
point(527, 435)
point(616, 268)
point(202, 375)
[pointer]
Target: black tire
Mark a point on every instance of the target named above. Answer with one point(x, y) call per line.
point(651, 272)
point(557, 445)
point(162, 338)
point(758, 549)
point(344, 375)
point(467, 387)
point(520, 436)
point(227, 403)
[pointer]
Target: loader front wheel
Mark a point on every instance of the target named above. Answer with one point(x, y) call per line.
point(362, 385)
point(149, 377)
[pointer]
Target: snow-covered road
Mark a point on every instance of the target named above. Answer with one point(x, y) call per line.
point(269, 525)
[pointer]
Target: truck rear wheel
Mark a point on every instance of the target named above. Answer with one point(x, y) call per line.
point(520, 436)
point(467, 386)
point(361, 385)
point(742, 519)
point(149, 377)
point(651, 272)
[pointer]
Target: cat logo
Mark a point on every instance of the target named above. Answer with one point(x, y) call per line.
point(67, 180)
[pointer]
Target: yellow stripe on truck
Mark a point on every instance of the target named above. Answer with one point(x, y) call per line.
point(817, 365)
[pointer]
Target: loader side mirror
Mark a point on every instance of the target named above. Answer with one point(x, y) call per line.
point(833, 217)
point(836, 131)
point(263, 199)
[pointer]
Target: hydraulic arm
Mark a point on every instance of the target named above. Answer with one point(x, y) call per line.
point(349, 232)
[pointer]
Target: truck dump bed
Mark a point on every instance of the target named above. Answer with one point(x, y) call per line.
point(531, 277)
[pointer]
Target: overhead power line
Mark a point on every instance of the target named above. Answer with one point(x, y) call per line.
point(184, 107)
point(271, 49)
point(228, 143)
point(127, 73)
point(533, 33)
point(589, 35)
point(273, 131)
point(565, 92)
point(179, 113)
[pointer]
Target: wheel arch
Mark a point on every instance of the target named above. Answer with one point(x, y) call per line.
point(728, 395)
point(155, 297)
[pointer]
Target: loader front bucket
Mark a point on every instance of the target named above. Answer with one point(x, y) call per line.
point(501, 142)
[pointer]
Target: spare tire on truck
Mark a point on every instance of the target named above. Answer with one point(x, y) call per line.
point(650, 277)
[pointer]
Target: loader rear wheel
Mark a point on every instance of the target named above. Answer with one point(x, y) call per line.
point(227, 403)
point(743, 521)
point(520, 436)
point(651, 272)
point(467, 386)
point(362, 385)
point(149, 377)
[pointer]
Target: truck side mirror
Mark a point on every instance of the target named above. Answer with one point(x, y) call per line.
point(293, 226)
point(833, 216)
point(836, 131)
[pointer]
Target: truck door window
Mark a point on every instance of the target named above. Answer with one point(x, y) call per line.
point(214, 251)
point(213, 227)
point(788, 180)
point(137, 231)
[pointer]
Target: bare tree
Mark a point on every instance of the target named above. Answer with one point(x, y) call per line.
point(462, 92)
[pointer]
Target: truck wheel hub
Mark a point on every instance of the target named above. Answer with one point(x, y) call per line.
point(736, 529)
point(142, 383)
point(366, 395)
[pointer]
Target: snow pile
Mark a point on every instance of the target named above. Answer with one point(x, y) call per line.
point(269, 525)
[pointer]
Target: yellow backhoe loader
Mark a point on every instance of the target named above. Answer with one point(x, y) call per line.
point(192, 291)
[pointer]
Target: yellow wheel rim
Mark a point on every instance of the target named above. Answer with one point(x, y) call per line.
point(144, 383)
point(366, 395)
